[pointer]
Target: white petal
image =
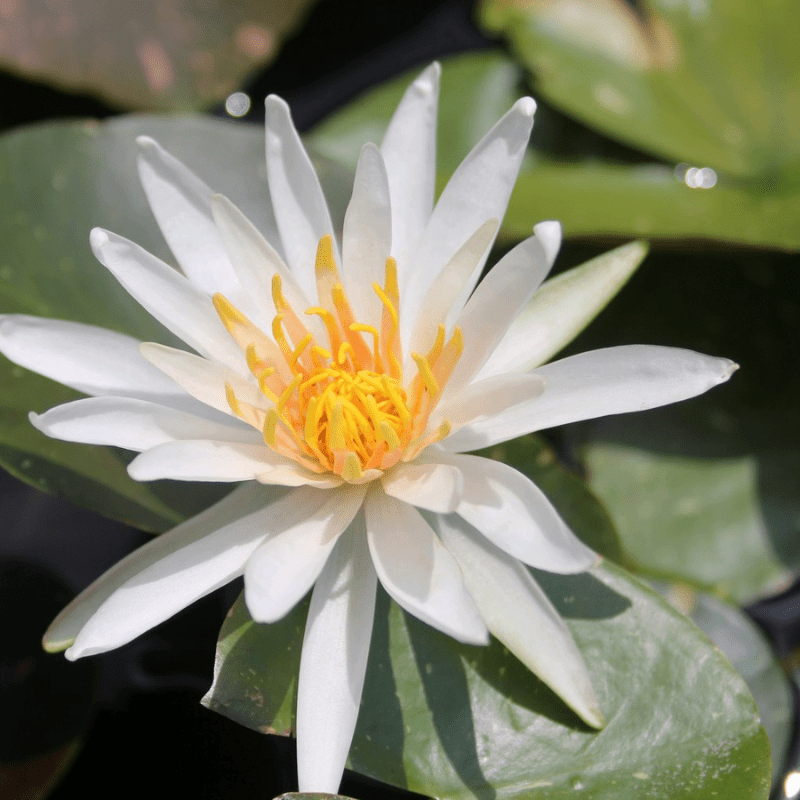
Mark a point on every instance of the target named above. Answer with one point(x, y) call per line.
point(479, 190)
point(598, 383)
point(203, 460)
point(409, 150)
point(367, 237)
point(417, 571)
point(292, 474)
point(447, 287)
point(134, 424)
point(334, 662)
point(172, 299)
point(300, 208)
point(256, 262)
point(288, 562)
point(434, 487)
point(561, 309)
point(203, 379)
point(522, 617)
point(123, 603)
point(497, 300)
point(484, 400)
point(181, 204)
point(514, 514)
point(92, 360)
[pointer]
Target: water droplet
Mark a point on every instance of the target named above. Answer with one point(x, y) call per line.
point(237, 104)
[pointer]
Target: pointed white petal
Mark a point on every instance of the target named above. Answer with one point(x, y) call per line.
point(497, 300)
point(409, 150)
point(561, 309)
point(479, 190)
point(203, 460)
point(134, 424)
point(615, 380)
point(300, 208)
point(256, 262)
point(447, 287)
point(514, 514)
point(92, 360)
point(417, 571)
point(172, 299)
point(288, 562)
point(367, 237)
point(522, 617)
point(434, 487)
point(181, 204)
point(484, 400)
point(334, 662)
point(203, 379)
point(230, 523)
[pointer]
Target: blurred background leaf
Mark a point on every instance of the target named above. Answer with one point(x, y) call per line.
point(184, 54)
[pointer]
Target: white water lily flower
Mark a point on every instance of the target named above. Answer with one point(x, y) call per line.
point(344, 379)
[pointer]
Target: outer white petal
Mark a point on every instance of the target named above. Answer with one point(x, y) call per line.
point(286, 565)
point(561, 309)
point(292, 474)
point(434, 487)
point(484, 400)
point(514, 514)
point(134, 424)
point(498, 299)
point(203, 460)
point(409, 150)
point(300, 208)
point(479, 190)
point(522, 617)
point(203, 379)
point(598, 383)
point(92, 360)
point(231, 524)
point(417, 571)
point(181, 204)
point(172, 299)
point(367, 237)
point(334, 662)
point(256, 262)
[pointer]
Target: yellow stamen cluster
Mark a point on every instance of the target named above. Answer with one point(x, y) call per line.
point(342, 408)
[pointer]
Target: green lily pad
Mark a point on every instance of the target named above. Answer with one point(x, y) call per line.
point(57, 181)
point(143, 55)
point(747, 648)
point(454, 721)
point(712, 84)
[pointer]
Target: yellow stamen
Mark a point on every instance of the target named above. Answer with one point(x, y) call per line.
point(339, 405)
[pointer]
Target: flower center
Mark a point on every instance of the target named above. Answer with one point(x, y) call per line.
point(342, 408)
